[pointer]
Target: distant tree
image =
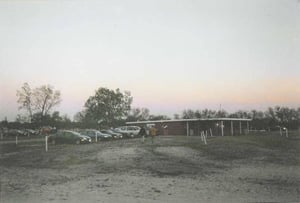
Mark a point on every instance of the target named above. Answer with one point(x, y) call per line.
point(108, 105)
point(4, 122)
point(138, 114)
point(205, 113)
point(66, 119)
point(39, 101)
point(79, 116)
point(240, 114)
point(270, 118)
point(158, 117)
point(198, 114)
point(285, 116)
point(187, 114)
point(176, 116)
point(56, 117)
point(21, 119)
point(221, 114)
point(208, 113)
point(256, 115)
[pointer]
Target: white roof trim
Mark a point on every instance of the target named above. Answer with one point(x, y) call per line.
point(186, 120)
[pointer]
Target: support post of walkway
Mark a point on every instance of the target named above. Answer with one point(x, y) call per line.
point(240, 127)
point(187, 128)
point(222, 128)
point(248, 127)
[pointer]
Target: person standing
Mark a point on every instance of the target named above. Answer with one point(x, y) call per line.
point(153, 132)
point(142, 133)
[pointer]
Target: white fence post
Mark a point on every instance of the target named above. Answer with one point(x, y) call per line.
point(280, 131)
point(46, 143)
point(210, 132)
point(222, 128)
point(96, 138)
point(203, 137)
point(286, 132)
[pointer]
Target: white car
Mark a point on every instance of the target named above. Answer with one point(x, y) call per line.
point(131, 131)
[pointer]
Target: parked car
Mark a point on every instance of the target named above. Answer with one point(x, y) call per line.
point(114, 134)
point(124, 134)
point(31, 132)
point(68, 136)
point(93, 133)
point(15, 132)
point(131, 131)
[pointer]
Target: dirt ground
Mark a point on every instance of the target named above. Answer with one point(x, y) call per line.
point(173, 169)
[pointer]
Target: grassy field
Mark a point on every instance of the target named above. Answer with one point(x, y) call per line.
point(262, 167)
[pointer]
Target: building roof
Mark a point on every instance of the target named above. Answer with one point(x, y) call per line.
point(193, 119)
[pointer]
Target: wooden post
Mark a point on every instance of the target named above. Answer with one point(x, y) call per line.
point(286, 132)
point(210, 132)
point(46, 143)
point(96, 138)
point(231, 126)
point(222, 128)
point(17, 140)
point(206, 134)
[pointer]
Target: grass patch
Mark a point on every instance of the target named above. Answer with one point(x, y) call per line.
point(272, 148)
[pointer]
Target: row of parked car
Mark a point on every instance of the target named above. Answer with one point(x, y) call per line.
point(79, 136)
point(19, 132)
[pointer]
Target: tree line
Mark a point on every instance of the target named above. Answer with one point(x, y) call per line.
point(108, 108)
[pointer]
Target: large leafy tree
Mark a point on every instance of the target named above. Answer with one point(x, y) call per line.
point(38, 102)
point(108, 106)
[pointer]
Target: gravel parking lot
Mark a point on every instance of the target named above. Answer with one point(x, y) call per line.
point(173, 169)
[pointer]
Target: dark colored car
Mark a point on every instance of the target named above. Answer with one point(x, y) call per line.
point(15, 132)
point(67, 136)
point(114, 134)
point(93, 133)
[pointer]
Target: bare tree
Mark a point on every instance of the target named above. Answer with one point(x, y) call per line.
point(44, 99)
point(39, 101)
point(25, 99)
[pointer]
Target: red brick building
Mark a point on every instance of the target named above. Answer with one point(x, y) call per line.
point(214, 126)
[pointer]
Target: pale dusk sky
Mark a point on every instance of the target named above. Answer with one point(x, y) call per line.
point(171, 55)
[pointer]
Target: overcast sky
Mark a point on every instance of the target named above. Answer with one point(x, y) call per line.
point(172, 55)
